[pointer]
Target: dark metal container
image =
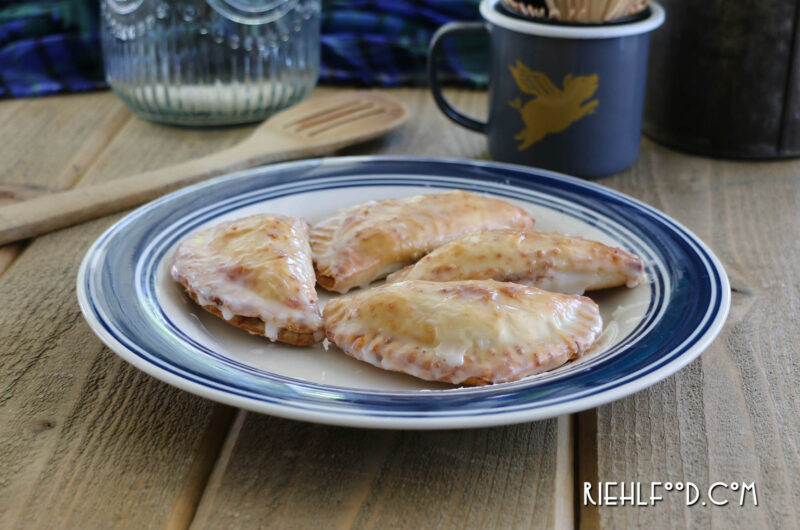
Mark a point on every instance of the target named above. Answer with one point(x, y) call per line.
point(597, 138)
point(724, 78)
point(562, 97)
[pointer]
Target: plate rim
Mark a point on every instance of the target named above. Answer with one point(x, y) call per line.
point(348, 418)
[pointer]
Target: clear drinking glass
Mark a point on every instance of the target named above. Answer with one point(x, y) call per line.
point(210, 62)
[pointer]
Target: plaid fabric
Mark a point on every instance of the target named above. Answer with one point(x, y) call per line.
point(49, 46)
point(385, 42)
point(53, 46)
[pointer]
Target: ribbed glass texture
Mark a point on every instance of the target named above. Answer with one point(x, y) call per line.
point(210, 62)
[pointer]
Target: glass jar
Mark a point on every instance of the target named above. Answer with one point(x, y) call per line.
point(210, 62)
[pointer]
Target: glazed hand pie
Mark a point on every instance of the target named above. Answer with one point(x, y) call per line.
point(465, 332)
point(554, 262)
point(256, 274)
point(366, 242)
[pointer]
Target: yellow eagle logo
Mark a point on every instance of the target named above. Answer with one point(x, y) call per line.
point(552, 110)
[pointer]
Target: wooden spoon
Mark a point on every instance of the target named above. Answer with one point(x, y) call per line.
point(315, 127)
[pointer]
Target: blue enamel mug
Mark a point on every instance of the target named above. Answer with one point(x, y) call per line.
point(564, 97)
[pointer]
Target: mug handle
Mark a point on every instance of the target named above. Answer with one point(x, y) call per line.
point(453, 28)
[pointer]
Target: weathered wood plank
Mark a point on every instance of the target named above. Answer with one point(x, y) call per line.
point(40, 137)
point(731, 415)
point(88, 441)
point(48, 143)
point(285, 474)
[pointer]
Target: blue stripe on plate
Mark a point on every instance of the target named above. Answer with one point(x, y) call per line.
point(688, 302)
point(156, 251)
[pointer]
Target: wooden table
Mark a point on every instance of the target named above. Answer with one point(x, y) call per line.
point(88, 441)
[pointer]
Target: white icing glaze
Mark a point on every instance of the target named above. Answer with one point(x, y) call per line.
point(258, 266)
point(201, 299)
point(271, 331)
point(567, 282)
point(554, 262)
point(363, 243)
point(456, 331)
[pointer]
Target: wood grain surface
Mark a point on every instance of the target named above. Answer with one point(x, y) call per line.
point(88, 441)
point(284, 474)
point(47, 145)
point(731, 415)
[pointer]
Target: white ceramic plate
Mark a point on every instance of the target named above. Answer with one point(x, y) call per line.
point(130, 301)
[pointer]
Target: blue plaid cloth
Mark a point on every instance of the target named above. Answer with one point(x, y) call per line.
point(53, 46)
point(385, 42)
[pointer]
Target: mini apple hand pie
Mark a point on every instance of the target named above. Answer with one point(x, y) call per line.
point(466, 332)
point(554, 262)
point(366, 242)
point(255, 273)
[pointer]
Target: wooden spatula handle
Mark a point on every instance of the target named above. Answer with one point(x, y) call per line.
point(58, 210)
point(315, 127)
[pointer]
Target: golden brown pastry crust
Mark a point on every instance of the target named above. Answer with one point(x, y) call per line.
point(550, 261)
point(255, 325)
point(256, 274)
point(466, 332)
point(363, 243)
